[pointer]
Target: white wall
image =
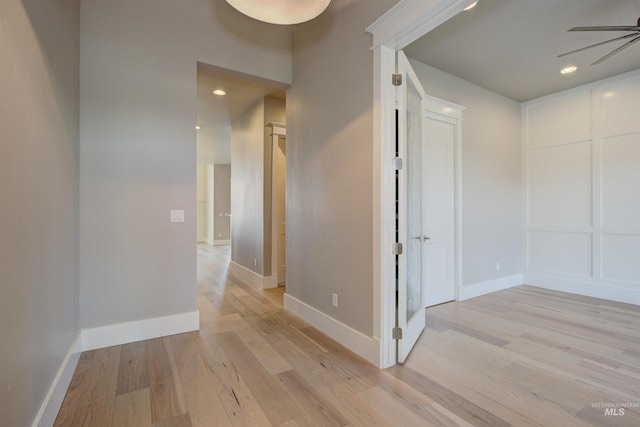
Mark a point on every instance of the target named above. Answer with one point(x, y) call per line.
point(329, 164)
point(582, 152)
point(491, 181)
point(39, 74)
point(138, 144)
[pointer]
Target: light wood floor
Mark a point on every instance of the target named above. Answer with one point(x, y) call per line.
point(521, 357)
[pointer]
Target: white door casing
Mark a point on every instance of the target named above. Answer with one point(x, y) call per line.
point(278, 210)
point(279, 162)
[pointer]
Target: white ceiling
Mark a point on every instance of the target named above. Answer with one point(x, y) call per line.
point(216, 113)
point(510, 46)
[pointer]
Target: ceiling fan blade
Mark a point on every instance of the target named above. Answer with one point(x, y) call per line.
point(626, 36)
point(607, 28)
point(610, 54)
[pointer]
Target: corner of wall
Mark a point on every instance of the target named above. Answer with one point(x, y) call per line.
point(477, 289)
point(369, 348)
point(139, 330)
point(50, 407)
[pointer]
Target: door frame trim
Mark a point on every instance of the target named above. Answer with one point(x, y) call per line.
point(401, 25)
point(278, 130)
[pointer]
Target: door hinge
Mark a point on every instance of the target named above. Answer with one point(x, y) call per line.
point(397, 248)
point(396, 79)
point(397, 163)
point(396, 333)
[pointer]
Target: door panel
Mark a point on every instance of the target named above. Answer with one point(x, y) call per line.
point(439, 212)
point(411, 315)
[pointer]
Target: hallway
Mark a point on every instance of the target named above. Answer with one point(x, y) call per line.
point(523, 356)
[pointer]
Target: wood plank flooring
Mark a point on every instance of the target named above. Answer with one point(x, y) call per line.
point(522, 357)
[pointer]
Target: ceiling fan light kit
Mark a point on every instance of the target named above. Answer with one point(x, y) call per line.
point(281, 12)
point(633, 36)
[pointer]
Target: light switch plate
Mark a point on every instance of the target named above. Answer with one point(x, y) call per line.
point(177, 215)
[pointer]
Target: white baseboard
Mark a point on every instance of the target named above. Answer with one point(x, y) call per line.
point(482, 288)
point(106, 336)
point(48, 411)
point(366, 347)
point(221, 242)
point(585, 287)
point(251, 277)
point(139, 330)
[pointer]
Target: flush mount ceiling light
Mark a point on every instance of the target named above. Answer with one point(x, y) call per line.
point(471, 6)
point(568, 70)
point(219, 92)
point(282, 12)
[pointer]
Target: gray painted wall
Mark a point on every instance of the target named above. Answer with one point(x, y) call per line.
point(330, 163)
point(138, 144)
point(251, 185)
point(247, 198)
point(492, 220)
point(39, 60)
point(221, 202)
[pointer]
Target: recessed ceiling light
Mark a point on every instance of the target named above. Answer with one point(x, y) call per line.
point(568, 70)
point(471, 6)
point(219, 92)
point(197, 127)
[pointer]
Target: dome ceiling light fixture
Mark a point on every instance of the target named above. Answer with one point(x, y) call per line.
point(281, 12)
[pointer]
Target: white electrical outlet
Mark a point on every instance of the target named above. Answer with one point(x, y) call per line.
point(334, 300)
point(497, 266)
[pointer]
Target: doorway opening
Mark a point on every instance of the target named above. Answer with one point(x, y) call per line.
point(241, 192)
point(393, 31)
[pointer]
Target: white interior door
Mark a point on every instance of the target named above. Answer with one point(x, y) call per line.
point(410, 300)
point(439, 210)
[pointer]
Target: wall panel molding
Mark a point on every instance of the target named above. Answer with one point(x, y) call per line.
point(582, 210)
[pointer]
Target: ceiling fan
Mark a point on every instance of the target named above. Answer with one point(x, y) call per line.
point(634, 35)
